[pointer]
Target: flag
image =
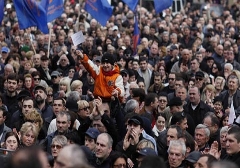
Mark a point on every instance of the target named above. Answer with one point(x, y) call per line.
point(1, 10)
point(162, 5)
point(101, 10)
point(132, 4)
point(135, 37)
point(32, 13)
point(55, 9)
point(232, 115)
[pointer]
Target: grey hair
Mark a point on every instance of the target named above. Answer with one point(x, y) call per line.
point(109, 138)
point(206, 129)
point(60, 139)
point(230, 65)
point(73, 96)
point(62, 113)
point(131, 105)
point(178, 143)
point(224, 130)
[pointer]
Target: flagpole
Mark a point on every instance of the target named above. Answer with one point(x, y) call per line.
point(49, 40)
point(140, 14)
point(31, 43)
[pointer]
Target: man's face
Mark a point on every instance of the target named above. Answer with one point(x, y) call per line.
point(155, 104)
point(232, 145)
point(99, 125)
point(55, 79)
point(134, 129)
point(62, 123)
point(232, 84)
point(154, 49)
point(44, 64)
point(90, 143)
point(171, 80)
point(207, 121)
point(200, 137)
point(157, 81)
point(194, 65)
point(36, 80)
point(219, 50)
point(171, 135)
point(162, 102)
point(202, 162)
point(194, 95)
point(107, 67)
point(135, 65)
point(175, 156)
point(183, 125)
point(143, 65)
point(58, 106)
point(40, 95)
point(11, 85)
point(102, 148)
point(2, 118)
point(36, 59)
point(182, 93)
point(178, 83)
point(27, 106)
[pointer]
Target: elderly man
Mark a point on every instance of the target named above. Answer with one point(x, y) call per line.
point(201, 136)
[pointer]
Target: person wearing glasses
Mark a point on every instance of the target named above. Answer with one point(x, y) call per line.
point(58, 143)
point(199, 80)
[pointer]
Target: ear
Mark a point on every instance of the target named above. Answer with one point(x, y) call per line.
point(188, 150)
point(69, 123)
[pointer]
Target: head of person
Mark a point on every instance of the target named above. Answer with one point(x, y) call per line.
point(151, 100)
point(12, 82)
point(44, 62)
point(40, 94)
point(29, 134)
point(11, 141)
point(194, 95)
point(58, 142)
point(3, 115)
point(77, 86)
point(212, 122)
point(67, 157)
point(27, 105)
point(84, 109)
point(144, 143)
point(138, 94)
point(181, 92)
point(63, 122)
point(171, 79)
point(118, 159)
point(199, 79)
point(63, 61)
point(224, 120)
point(174, 132)
point(34, 117)
point(233, 140)
point(132, 105)
point(49, 95)
point(91, 138)
point(223, 136)
point(144, 152)
point(36, 77)
point(160, 121)
point(175, 105)
point(201, 135)
point(107, 62)
point(55, 77)
point(64, 85)
point(176, 153)
point(135, 125)
point(97, 123)
point(232, 83)
point(219, 83)
point(103, 146)
point(143, 63)
point(58, 105)
point(179, 119)
point(205, 161)
point(163, 100)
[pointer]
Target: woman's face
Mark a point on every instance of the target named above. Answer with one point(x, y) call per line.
point(79, 89)
point(214, 68)
point(28, 138)
point(225, 121)
point(71, 73)
point(120, 162)
point(11, 143)
point(190, 84)
point(63, 87)
point(20, 84)
point(50, 97)
point(160, 123)
point(217, 106)
point(28, 83)
point(141, 85)
point(218, 83)
point(56, 148)
point(27, 66)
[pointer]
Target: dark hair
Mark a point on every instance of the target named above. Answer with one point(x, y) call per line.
point(178, 129)
point(152, 161)
point(210, 159)
point(12, 76)
point(189, 141)
point(178, 118)
point(139, 92)
point(35, 73)
point(4, 111)
point(150, 98)
point(141, 59)
point(62, 99)
point(235, 131)
point(115, 156)
point(73, 117)
point(162, 115)
point(74, 137)
point(223, 118)
point(8, 134)
point(213, 117)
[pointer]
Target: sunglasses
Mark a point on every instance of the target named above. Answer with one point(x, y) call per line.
point(56, 146)
point(36, 79)
point(199, 79)
point(72, 71)
point(50, 95)
point(163, 101)
point(85, 108)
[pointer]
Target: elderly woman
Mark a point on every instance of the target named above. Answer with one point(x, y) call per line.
point(58, 142)
point(29, 134)
point(219, 84)
point(77, 86)
point(83, 110)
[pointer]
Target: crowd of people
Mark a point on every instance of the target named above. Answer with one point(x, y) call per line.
point(173, 101)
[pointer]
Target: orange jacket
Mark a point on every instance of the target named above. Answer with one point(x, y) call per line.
point(104, 85)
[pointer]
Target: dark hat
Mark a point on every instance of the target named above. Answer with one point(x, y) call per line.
point(193, 156)
point(173, 47)
point(217, 99)
point(175, 101)
point(22, 94)
point(72, 106)
point(44, 57)
point(92, 132)
point(55, 73)
point(131, 73)
point(199, 74)
point(147, 152)
point(237, 37)
point(40, 87)
point(137, 120)
point(124, 72)
point(108, 58)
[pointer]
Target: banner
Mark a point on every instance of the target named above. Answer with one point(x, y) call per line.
point(55, 9)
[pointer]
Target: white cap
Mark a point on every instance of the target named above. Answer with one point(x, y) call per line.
point(8, 6)
point(115, 27)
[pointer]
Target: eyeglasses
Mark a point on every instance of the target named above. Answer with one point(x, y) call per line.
point(56, 146)
point(162, 101)
point(36, 79)
point(50, 95)
point(54, 77)
point(171, 78)
point(199, 79)
point(120, 166)
point(72, 71)
point(85, 108)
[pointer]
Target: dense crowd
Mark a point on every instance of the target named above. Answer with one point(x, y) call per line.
point(172, 101)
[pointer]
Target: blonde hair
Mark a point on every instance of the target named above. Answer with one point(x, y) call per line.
point(144, 143)
point(76, 84)
point(34, 116)
point(82, 103)
point(222, 79)
point(27, 127)
point(66, 81)
point(210, 88)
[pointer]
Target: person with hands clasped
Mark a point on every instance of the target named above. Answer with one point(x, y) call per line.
point(108, 81)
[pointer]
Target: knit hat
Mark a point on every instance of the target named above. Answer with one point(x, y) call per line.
point(108, 58)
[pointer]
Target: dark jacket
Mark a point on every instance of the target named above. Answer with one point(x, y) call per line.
point(235, 158)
